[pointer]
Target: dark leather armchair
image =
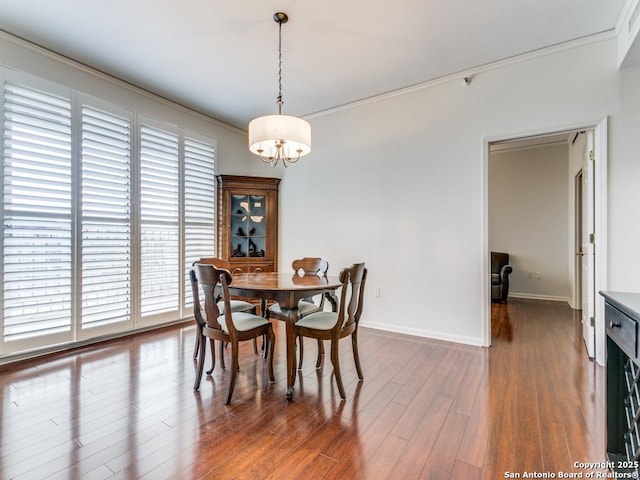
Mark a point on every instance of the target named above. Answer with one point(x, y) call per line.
point(500, 270)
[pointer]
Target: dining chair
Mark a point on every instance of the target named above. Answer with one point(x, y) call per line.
point(228, 327)
point(336, 325)
point(236, 305)
point(303, 267)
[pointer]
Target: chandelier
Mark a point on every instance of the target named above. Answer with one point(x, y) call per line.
point(279, 137)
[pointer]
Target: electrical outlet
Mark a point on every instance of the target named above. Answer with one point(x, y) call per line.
point(377, 292)
point(530, 275)
point(538, 275)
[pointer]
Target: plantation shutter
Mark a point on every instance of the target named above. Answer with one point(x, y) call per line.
point(103, 212)
point(106, 218)
point(159, 207)
point(199, 205)
point(37, 201)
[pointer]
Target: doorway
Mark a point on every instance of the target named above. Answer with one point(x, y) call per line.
point(596, 211)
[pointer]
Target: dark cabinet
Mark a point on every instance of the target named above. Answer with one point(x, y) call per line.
point(622, 316)
point(248, 222)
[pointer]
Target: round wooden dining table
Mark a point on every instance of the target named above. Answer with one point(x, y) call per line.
point(287, 289)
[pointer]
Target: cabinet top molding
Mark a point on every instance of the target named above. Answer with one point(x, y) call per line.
point(242, 181)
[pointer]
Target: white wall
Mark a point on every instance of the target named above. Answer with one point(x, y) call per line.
point(400, 183)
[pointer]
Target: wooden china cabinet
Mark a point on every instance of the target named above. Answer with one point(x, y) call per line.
point(248, 222)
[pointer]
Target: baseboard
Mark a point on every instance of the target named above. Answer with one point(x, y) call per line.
point(531, 296)
point(10, 359)
point(418, 332)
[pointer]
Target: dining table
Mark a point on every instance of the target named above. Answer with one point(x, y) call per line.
point(287, 289)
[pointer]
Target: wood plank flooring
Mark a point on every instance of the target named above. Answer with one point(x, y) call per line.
point(125, 409)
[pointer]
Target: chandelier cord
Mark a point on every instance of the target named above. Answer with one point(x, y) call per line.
point(279, 102)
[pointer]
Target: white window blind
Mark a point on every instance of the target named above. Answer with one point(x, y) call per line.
point(106, 218)
point(37, 215)
point(199, 205)
point(100, 219)
point(159, 205)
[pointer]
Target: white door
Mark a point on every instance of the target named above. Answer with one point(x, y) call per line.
point(578, 199)
point(587, 251)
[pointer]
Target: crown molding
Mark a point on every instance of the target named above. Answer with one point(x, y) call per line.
point(471, 72)
point(40, 50)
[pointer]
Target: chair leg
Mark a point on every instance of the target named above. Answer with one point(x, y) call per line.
point(271, 340)
point(356, 355)
point(265, 341)
point(300, 351)
point(200, 368)
point(336, 367)
point(213, 355)
point(196, 347)
point(222, 365)
point(255, 346)
point(234, 371)
point(320, 353)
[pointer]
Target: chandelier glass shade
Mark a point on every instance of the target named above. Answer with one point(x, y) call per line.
point(279, 137)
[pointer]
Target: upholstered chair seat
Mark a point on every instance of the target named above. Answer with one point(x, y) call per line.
point(319, 321)
point(243, 321)
point(304, 308)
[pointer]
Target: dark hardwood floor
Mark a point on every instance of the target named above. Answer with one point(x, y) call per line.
point(532, 402)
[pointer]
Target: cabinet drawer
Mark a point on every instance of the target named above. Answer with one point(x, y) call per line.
point(251, 268)
point(622, 329)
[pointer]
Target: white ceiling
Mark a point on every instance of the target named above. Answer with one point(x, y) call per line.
point(219, 57)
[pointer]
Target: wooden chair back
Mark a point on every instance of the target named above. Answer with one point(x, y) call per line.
point(210, 278)
point(353, 280)
point(218, 262)
point(310, 266)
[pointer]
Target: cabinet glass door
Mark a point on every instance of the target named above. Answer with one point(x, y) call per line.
point(248, 231)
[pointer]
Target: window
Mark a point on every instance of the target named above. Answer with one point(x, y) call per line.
point(37, 215)
point(199, 205)
point(102, 211)
point(160, 277)
point(106, 218)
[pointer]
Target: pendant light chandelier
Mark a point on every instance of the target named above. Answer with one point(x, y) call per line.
point(279, 137)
